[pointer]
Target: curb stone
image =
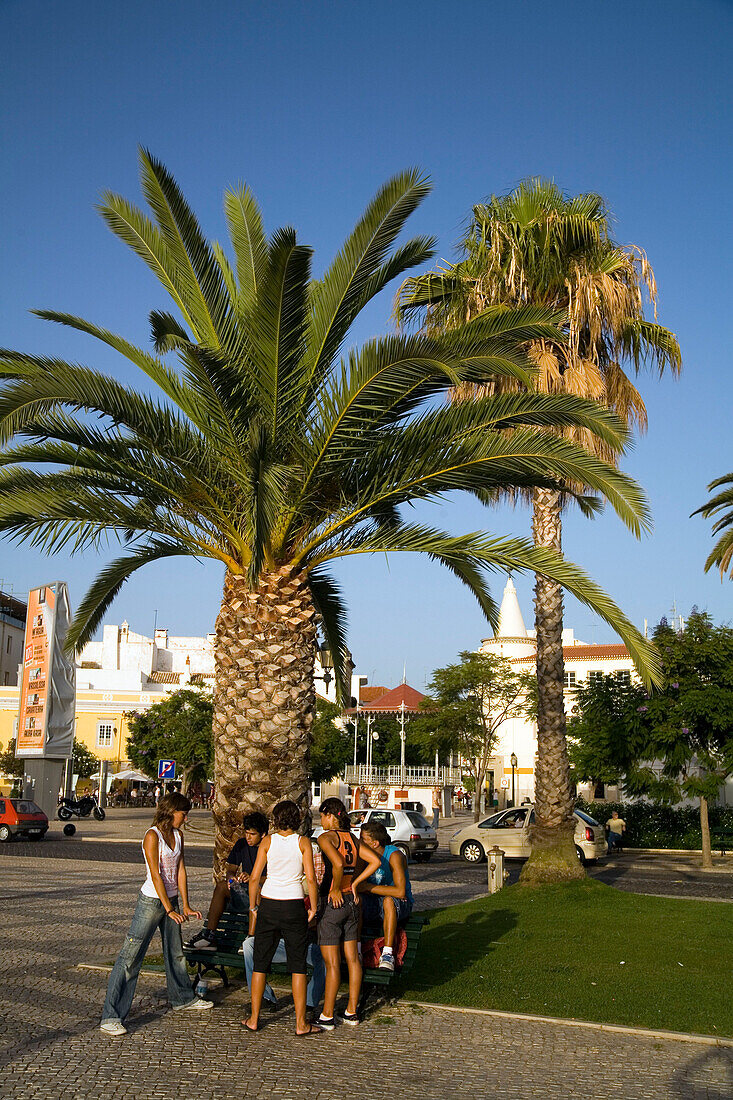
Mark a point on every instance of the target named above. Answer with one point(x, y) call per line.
point(640, 1032)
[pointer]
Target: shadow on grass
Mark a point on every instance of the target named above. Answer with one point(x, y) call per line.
point(448, 949)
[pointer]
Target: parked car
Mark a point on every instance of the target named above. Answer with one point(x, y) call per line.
point(21, 817)
point(509, 830)
point(407, 830)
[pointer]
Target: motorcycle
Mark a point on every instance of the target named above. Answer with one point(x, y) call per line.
point(80, 807)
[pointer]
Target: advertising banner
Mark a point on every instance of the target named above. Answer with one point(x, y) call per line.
point(48, 683)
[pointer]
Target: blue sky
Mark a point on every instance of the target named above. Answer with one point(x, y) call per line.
point(314, 105)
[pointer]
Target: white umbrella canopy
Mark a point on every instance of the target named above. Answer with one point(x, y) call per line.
point(136, 777)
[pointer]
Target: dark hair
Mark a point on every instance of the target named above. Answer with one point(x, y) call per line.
point(377, 831)
point(256, 821)
point(336, 807)
point(286, 815)
point(168, 805)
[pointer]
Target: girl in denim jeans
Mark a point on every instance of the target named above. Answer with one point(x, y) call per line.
point(157, 907)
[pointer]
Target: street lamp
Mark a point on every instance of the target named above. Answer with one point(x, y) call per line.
point(513, 762)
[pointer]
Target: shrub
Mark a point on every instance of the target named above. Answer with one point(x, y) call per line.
point(652, 826)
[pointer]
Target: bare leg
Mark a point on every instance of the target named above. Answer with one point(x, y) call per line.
point(390, 922)
point(218, 905)
point(258, 988)
point(355, 972)
point(300, 984)
point(332, 959)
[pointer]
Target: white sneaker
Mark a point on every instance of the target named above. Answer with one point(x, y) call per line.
point(196, 1005)
point(386, 961)
point(114, 1028)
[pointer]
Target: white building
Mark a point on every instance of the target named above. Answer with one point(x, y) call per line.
point(582, 662)
point(126, 661)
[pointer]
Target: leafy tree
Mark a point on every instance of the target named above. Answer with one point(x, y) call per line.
point(540, 246)
point(84, 762)
point(272, 449)
point(333, 742)
point(676, 743)
point(10, 764)
point(607, 731)
point(467, 705)
point(690, 721)
point(177, 728)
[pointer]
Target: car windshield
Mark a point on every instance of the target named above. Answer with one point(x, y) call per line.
point(417, 820)
point(493, 822)
point(586, 818)
point(24, 807)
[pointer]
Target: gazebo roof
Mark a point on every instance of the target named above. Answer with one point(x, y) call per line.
point(391, 702)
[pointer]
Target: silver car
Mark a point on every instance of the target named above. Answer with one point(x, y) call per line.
point(509, 830)
point(407, 830)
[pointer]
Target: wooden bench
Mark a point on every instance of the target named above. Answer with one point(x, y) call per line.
point(723, 839)
point(231, 932)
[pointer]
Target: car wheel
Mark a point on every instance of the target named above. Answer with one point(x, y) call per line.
point(5, 833)
point(405, 851)
point(472, 851)
point(580, 854)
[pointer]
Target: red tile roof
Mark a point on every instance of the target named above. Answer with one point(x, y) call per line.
point(585, 653)
point(371, 692)
point(391, 701)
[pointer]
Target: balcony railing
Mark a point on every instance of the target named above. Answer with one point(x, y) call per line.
point(420, 776)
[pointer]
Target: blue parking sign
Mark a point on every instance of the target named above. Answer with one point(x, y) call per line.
point(166, 769)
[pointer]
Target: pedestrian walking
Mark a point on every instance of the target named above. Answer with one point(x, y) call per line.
point(436, 806)
point(157, 907)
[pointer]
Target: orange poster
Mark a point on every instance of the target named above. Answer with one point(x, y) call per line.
point(34, 688)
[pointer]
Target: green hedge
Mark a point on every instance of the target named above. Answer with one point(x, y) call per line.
point(650, 826)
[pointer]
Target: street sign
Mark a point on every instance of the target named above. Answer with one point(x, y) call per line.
point(504, 783)
point(166, 769)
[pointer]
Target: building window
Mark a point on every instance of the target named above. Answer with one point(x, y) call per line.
point(10, 646)
point(105, 735)
point(7, 677)
point(595, 676)
point(569, 680)
point(623, 675)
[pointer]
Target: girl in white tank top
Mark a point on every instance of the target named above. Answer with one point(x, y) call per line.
point(168, 861)
point(284, 880)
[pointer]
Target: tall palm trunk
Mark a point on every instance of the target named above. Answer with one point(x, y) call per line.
point(264, 699)
point(553, 856)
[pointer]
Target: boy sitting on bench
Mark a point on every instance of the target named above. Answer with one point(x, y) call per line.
point(233, 888)
point(386, 896)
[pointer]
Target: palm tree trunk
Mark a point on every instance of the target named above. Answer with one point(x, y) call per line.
point(264, 700)
point(553, 857)
point(707, 853)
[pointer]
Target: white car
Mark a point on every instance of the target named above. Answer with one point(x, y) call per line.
point(509, 830)
point(407, 830)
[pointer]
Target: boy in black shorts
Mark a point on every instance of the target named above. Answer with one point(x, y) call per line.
point(233, 888)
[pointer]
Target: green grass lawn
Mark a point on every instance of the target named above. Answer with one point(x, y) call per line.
point(584, 951)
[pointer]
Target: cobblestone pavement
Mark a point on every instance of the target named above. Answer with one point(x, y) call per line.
point(50, 1045)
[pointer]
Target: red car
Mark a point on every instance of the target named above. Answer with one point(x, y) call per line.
point(20, 817)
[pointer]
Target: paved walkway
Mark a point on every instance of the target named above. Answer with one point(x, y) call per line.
point(50, 1046)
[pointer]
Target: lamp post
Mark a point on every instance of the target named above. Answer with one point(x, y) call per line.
point(513, 762)
point(402, 743)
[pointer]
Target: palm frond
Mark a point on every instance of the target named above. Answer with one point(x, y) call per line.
point(330, 606)
point(106, 587)
point(248, 240)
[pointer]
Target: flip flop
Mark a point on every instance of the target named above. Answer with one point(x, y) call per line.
point(312, 1030)
point(251, 1030)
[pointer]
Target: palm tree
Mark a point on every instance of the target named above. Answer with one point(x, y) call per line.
point(268, 452)
point(536, 246)
point(722, 553)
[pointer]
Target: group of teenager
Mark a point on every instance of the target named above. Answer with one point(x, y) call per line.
point(305, 909)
